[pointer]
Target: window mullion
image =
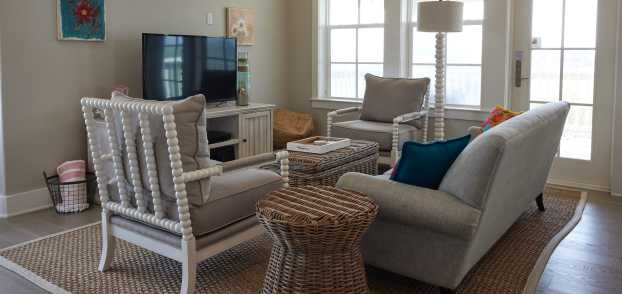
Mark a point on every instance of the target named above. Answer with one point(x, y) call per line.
point(562, 53)
point(356, 54)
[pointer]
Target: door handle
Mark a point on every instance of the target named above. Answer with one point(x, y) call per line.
point(518, 73)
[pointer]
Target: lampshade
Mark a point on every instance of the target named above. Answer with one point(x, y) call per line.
point(439, 16)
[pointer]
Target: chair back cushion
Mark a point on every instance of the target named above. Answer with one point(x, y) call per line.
point(425, 165)
point(388, 98)
point(193, 144)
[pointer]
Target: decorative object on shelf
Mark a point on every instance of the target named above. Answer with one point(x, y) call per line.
point(244, 78)
point(440, 17)
point(81, 20)
point(241, 25)
point(121, 89)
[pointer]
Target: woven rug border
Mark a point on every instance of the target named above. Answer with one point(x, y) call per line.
point(538, 269)
point(530, 286)
point(30, 276)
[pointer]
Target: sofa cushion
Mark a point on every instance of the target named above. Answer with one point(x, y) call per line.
point(388, 98)
point(416, 206)
point(425, 165)
point(379, 132)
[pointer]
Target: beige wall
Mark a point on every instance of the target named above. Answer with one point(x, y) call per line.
point(44, 78)
point(2, 178)
point(300, 63)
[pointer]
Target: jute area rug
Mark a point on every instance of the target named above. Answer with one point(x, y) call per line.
point(67, 262)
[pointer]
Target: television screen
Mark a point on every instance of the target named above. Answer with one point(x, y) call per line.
point(176, 66)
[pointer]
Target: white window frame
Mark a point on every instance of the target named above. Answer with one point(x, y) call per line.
point(327, 76)
point(496, 65)
point(412, 26)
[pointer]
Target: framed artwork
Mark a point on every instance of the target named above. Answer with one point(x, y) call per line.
point(241, 25)
point(81, 20)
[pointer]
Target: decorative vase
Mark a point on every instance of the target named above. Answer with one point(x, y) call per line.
point(244, 79)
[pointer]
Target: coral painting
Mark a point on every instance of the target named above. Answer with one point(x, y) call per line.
point(82, 20)
point(241, 25)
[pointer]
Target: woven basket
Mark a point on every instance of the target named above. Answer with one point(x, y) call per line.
point(290, 126)
point(316, 233)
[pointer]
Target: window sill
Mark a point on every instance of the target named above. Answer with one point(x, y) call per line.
point(451, 112)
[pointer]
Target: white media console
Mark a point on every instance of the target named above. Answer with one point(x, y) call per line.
point(250, 127)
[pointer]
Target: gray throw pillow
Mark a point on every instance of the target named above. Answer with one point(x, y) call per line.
point(387, 98)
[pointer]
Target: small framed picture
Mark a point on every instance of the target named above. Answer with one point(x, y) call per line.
point(241, 25)
point(81, 20)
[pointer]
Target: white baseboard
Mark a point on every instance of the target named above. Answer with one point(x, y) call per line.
point(25, 202)
point(581, 186)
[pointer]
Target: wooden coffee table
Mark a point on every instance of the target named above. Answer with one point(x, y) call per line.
point(326, 169)
point(316, 234)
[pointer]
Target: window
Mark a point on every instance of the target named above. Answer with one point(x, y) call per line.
point(463, 51)
point(356, 42)
point(563, 66)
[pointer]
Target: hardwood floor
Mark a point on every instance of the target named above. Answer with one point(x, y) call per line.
point(589, 260)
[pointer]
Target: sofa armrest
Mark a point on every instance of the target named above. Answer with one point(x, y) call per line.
point(416, 206)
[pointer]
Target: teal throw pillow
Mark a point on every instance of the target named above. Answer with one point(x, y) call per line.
point(425, 165)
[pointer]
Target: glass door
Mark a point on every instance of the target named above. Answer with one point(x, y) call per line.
point(561, 47)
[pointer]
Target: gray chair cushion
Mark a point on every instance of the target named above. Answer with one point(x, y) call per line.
point(388, 98)
point(175, 240)
point(373, 131)
point(233, 197)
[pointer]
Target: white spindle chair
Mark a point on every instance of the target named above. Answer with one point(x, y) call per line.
point(187, 253)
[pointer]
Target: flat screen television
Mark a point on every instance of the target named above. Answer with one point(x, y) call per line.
point(178, 66)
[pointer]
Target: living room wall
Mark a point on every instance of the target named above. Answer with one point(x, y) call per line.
point(44, 78)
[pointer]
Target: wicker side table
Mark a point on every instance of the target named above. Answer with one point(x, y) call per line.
point(316, 233)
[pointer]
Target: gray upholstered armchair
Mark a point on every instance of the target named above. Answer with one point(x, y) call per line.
point(394, 111)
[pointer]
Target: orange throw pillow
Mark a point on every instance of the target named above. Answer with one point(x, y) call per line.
point(498, 115)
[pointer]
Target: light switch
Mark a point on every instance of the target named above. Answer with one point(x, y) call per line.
point(209, 19)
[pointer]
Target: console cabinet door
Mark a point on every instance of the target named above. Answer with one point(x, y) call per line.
point(255, 133)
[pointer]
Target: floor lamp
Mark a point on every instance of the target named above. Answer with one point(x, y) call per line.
point(440, 17)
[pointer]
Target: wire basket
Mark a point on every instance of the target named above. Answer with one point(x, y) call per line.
point(71, 197)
